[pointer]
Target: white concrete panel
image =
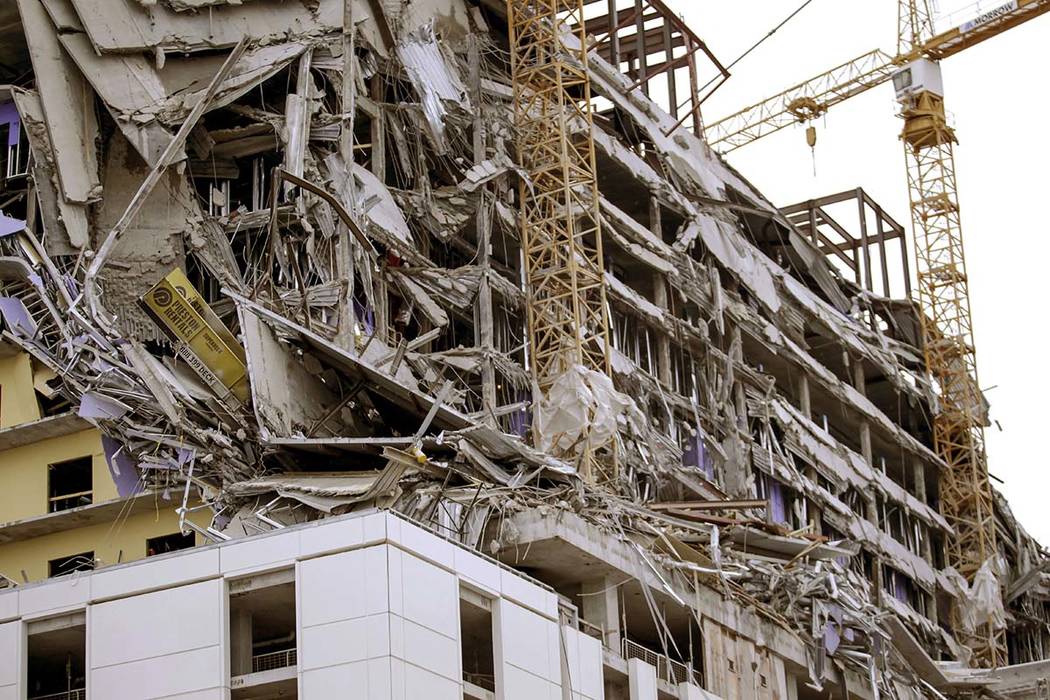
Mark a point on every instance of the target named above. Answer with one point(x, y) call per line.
point(155, 573)
point(331, 537)
point(477, 570)
point(210, 694)
point(156, 624)
point(343, 586)
point(530, 595)
point(420, 683)
point(9, 604)
point(63, 593)
point(688, 691)
point(10, 641)
point(149, 679)
point(530, 641)
point(344, 642)
point(429, 595)
point(423, 544)
point(583, 665)
point(10, 692)
point(425, 648)
point(363, 680)
point(522, 685)
point(374, 527)
point(256, 552)
point(642, 679)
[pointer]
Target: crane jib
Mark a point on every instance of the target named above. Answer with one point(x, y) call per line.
point(989, 16)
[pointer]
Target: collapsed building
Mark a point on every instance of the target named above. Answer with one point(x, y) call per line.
point(273, 252)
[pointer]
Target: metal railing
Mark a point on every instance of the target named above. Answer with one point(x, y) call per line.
point(674, 672)
point(275, 660)
point(66, 501)
point(78, 694)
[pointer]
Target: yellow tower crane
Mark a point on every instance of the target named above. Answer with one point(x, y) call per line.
point(943, 286)
point(561, 236)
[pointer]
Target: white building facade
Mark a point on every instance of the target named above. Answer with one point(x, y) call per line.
point(362, 606)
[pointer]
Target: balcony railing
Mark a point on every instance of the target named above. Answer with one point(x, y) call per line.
point(274, 660)
point(674, 672)
point(78, 694)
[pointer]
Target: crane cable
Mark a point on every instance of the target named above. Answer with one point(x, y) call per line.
point(758, 43)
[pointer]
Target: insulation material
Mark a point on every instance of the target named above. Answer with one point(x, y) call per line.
point(434, 78)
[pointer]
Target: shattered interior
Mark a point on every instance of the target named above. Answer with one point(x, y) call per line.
point(339, 182)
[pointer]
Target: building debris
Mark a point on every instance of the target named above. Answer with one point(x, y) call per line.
point(321, 221)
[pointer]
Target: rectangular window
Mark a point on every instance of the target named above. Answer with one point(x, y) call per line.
point(85, 561)
point(169, 543)
point(475, 624)
point(263, 646)
point(69, 484)
point(56, 658)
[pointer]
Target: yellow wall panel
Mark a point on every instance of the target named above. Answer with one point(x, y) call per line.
point(125, 539)
point(23, 472)
point(17, 398)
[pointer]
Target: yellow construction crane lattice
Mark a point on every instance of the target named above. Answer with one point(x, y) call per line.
point(560, 225)
point(943, 286)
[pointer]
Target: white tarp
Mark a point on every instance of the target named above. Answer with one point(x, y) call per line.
point(581, 405)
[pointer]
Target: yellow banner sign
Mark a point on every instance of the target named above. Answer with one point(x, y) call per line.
point(200, 337)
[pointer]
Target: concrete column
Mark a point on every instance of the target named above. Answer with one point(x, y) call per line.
point(919, 477)
point(865, 427)
point(240, 642)
point(601, 607)
point(663, 343)
point(804, 402)
point(642, 680)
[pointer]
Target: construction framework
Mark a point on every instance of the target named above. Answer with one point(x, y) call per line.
point(947, 328)
point(568, 323)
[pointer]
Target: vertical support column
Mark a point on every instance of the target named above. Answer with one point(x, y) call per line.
point(344, 253)
point(614, 35)
point(865, 252)
point(240, 642)
point(601, 607)
point(663, 343)
point(880, 228)
point(641, 678)
point(865, 427)
point(483, 320)
point(694, 89)
point(640, 50)
point(672, 86)
point(804, 402)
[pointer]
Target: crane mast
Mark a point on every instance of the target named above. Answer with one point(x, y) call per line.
point(943, 285)
point(561, 238)
point(944, 313)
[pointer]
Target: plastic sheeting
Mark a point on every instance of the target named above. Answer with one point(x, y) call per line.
point(581, 405)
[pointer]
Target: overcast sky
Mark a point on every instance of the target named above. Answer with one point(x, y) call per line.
point(999, 97)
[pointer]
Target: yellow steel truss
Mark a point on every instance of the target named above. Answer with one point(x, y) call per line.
point(560, 226)
point(943, 292)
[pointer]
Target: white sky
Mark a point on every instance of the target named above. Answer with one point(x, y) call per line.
point(999, 96)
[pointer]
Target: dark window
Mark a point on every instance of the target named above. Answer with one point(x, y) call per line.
point(85, 561)
point(262, 624)
point(169, 543)
point(56, 665)
point(69, 484)
point(475, 623)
